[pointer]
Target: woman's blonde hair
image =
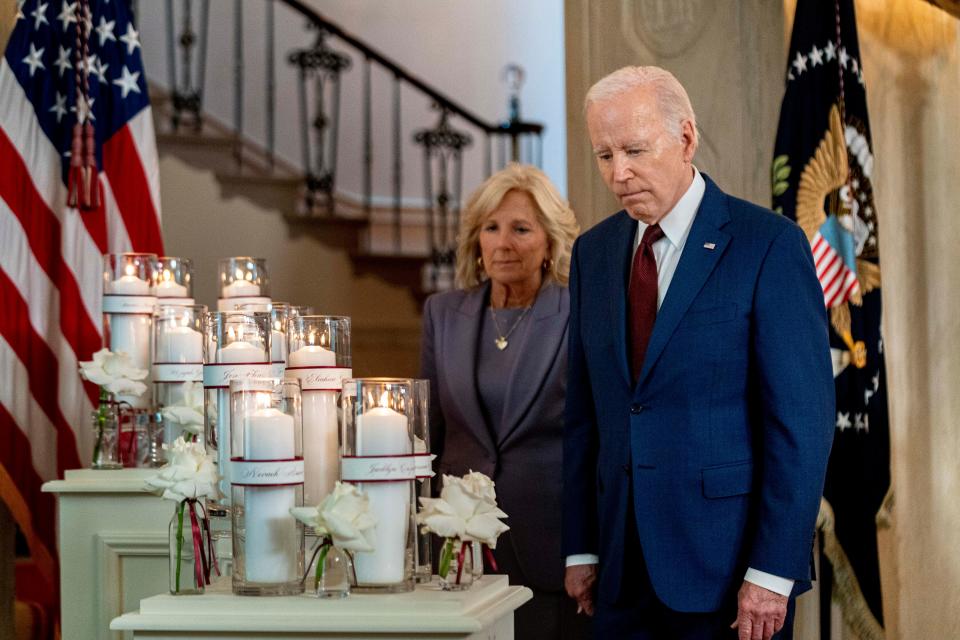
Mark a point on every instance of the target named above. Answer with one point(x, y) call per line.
point(553, 212)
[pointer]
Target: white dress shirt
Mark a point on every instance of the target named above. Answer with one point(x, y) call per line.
point(676, 227)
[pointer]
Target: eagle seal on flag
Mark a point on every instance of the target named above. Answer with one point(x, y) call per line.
point(839, 236)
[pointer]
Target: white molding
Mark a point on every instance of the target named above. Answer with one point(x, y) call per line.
point(112, 547)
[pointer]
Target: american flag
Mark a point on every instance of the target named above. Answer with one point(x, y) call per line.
point(51, 254)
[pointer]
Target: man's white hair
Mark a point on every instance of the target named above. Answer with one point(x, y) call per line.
point(672, 98)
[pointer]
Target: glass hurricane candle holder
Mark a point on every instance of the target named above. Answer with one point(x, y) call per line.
point(128, 301)
point(266, 483)
point(280, 313)
point(319, 357)
point(236, 346)
point(424, 464)
point(378, 454)
point(242, 280)
point(174, 280)
point(178, 368)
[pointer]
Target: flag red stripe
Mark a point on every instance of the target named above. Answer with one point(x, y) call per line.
point(830, 270)
point(123, 166)
point(43, 232)
point(825, 260)
point(40, 363)
point(835, 279)
point(95, 222)
point(15, 459)
point(820, 249)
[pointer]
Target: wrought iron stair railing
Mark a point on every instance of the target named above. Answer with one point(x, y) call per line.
point(321, 64)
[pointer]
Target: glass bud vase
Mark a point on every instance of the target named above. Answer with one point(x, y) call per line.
point(477, 549)
point(106, 434)
point(331, 573)
point(186, 578)
point(457, 558)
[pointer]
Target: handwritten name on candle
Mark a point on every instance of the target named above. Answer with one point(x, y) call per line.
point(186, 372)
point(378, 469)
point(219, 375)
point(266, 473)
point(320, 379)
point(128, 303)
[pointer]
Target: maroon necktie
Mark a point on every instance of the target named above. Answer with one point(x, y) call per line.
point(642, 298)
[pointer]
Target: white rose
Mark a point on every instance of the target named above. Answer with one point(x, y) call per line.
point(439, 517)
point(189, 474)
point(480, 485)
point(466, 509)
point(345, 516)
point(124, 387)
point(115, 372)
point(189, 412)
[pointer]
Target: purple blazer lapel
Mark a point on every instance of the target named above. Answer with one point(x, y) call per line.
point(463, 335)
point(540, 347)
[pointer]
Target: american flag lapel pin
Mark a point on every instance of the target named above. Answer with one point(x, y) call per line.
point(709, 245)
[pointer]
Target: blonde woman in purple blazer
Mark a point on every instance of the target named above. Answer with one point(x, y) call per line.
point(495, 352)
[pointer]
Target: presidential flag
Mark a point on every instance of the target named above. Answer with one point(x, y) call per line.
point(822, 177)
point(65, 63)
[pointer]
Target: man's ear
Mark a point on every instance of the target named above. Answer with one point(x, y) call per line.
point(688, 136)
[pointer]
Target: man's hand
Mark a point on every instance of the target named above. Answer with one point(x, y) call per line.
point(579, 581)
point(760, 612)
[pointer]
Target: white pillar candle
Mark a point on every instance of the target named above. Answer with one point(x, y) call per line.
point(239, 352)
point(130, 333)
point(270, 554)
point(278, 346)
point(321, 441)
point(171, 289)
point(383, 431)
point(129, 285)
point(180, 344)
point(240, 289)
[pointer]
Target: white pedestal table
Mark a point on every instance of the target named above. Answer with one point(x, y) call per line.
point(483, 612)
point(112, 539)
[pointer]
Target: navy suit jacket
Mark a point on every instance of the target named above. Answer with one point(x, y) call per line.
point(524, 457)
point(723, 442)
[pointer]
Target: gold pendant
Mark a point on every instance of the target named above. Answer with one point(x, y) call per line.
point(501, 343)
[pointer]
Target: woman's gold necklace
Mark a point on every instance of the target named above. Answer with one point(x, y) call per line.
point(501, 339)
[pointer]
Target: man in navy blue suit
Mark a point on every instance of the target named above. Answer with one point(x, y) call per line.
point(700, 400)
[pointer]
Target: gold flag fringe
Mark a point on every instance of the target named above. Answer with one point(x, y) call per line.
point(846, 588)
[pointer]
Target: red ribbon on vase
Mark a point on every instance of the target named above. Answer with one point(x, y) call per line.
point(202, 566)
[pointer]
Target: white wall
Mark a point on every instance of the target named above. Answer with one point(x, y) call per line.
point(457, 46)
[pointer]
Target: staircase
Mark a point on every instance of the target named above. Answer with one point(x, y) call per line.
point(391, 228)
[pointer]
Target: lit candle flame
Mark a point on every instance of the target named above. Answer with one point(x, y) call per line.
point(262, 400)
point(166, 275)
point(239, 274)
point(384, 399)
point(311, 338)
point(129, 269)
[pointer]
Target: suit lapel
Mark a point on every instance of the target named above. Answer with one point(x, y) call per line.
point(464, 337)
point(539, 347)
point(696, 264)
point(619, 257)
